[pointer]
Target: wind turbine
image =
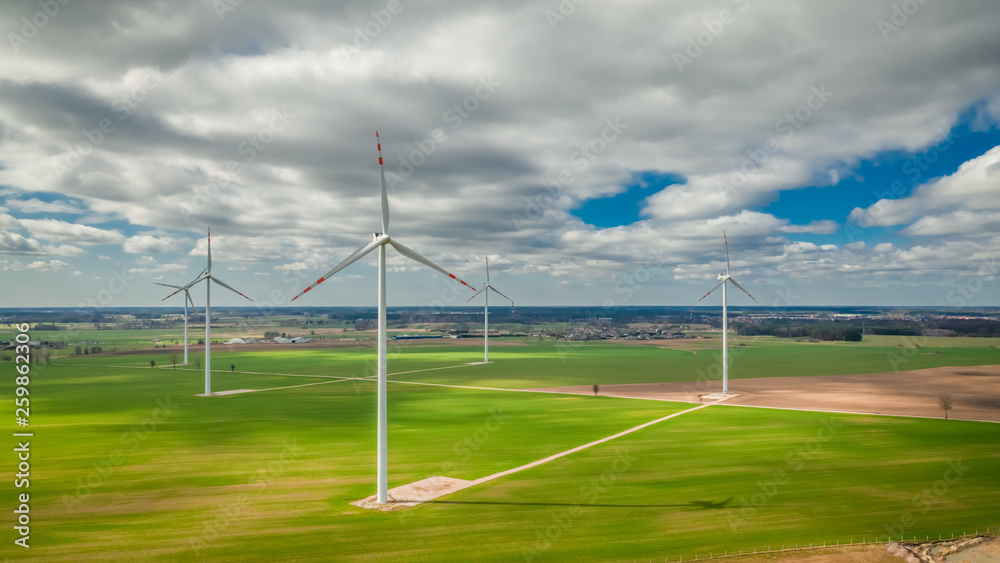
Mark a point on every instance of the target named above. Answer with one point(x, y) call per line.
point(725, 319)
point(486, 310)
point(187, 299)
point(208, 278)
point(380, 240)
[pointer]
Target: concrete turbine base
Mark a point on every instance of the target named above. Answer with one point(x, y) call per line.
point(415, 493)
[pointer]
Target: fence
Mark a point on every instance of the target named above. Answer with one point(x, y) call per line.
point(813, 545)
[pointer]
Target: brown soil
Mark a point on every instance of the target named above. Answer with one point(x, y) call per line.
point(975, 392)
point(855, 554)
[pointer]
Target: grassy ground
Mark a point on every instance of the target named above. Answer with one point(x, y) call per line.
point(532, 364)
point(128, 464)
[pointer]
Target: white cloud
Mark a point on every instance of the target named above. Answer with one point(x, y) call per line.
point(823, 227)
point(13, 243)
point(34, 205)
point(971, 191)
point(156, 269)
point(308, 197)
point(60, 231)
point(37, 265)
point(966, 223)
point(140, 244)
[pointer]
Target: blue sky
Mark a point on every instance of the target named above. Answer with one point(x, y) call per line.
point(581, 153)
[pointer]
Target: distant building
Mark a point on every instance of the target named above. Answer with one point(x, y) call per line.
point(236, 341)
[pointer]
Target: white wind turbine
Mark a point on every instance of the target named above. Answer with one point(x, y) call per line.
point(380, 241)
point(486, 310)
point(187, 299)
point(725, 319)
point(208, 278)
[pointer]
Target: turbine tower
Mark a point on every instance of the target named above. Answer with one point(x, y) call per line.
point(725, 319)
point(380, 240)
point(208, 278)
point(187, 299)
point(486, 310)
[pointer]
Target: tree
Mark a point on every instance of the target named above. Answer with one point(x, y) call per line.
point(197, 364)
point(152, 363)
point(47, 356)
point(174, 357)
point(945, 402)
point(232, 368)
point(78, 351)
point(597, 388)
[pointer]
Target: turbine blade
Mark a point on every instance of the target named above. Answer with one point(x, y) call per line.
point(713, 289)
point(418, 258)
point(500, 294)
point(171, 295)
point(167, 285)
point(487, 269)
point(197, 280)
point(191, 301)
point(476, 295)
point(741, 287)
point(724, 239)
point(180, 289)
point(220, 282)
point(209, 268)
point(381, 179)
point(347, 262)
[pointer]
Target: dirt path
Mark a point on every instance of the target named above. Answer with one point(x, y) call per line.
point(431, 488)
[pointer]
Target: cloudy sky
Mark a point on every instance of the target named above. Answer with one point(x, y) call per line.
point(596, 150)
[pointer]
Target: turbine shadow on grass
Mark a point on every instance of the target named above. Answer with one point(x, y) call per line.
point(695, 503)
point(708, 504)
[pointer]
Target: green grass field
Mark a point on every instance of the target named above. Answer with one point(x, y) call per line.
point(128, 464)
point(526, 364)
